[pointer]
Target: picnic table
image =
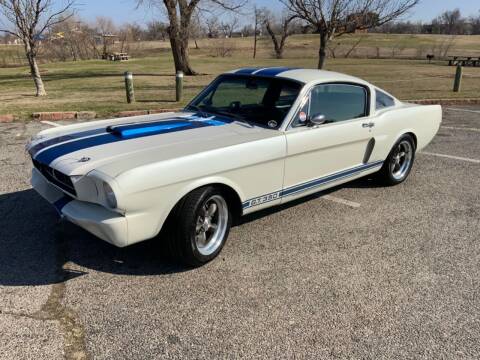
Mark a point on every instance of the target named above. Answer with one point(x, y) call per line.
point(116, 56)
point(464, 60)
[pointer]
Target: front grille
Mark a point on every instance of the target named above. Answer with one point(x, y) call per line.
point(56, 177)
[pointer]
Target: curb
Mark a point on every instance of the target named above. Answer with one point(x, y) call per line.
point(82, 115)
point(7, 118)
point(143, 112)
point(54, 116)
point(445, 102)
point(64, 115)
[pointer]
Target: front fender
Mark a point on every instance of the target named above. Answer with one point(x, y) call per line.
point(147, 223)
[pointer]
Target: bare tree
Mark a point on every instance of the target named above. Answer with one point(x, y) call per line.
point(213, 27)
point(229, 27)
point(179, 13)
point(475, 25)
point(279, 31)
point(157, 30)
point(450, 23)
point(105, 25)
point(332, 18)
point(28, 20)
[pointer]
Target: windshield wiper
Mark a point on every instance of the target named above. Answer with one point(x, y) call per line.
point(228, 114)
point(214, 111)
point(202, 112)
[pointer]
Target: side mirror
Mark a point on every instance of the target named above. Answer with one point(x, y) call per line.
point(318, 119)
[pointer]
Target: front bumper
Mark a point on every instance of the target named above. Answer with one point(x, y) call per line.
point(101, 222)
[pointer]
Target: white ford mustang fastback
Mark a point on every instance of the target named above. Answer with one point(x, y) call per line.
point(254, 138)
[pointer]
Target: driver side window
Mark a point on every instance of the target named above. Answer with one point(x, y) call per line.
point(338, 102)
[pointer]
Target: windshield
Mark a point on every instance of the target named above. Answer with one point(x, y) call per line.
point(258, 100)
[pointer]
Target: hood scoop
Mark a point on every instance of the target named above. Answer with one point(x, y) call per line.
point(142, 129)
point(162, 127)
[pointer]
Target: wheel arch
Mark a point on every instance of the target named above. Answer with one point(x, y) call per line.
point(232, 193)
point(414, 137)
point(410, 132)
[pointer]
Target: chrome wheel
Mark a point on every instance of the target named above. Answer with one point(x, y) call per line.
point(211, 225)
point(401, 160)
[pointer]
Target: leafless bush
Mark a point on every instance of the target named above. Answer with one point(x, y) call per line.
point(225, 48)
point(353, 49)
point(441, 50)
point(397, 49)
point(420, 52)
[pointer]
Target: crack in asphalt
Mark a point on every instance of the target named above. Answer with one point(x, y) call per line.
point(74, 343)
point(73, 332)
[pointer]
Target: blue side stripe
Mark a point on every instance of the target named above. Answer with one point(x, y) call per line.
point(274, 71)
point(327, 179)
point(309, 185)
point(61, 203)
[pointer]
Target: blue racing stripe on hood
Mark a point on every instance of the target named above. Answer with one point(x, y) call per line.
point(126, 132)
point(64, 138)
point(154, 128)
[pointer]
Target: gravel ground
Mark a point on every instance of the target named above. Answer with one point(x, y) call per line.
point(397, 277)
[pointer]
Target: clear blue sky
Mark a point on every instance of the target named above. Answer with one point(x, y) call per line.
point(124, 10)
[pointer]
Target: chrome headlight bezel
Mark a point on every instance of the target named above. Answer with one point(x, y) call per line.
point(109, 194)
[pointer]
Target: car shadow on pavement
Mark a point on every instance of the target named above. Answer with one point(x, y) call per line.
point(38, 249)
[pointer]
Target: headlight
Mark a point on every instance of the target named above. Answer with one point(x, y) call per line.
point(110, 196)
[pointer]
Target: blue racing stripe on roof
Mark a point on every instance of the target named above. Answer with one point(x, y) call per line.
point(274, 71)
point(246, 71)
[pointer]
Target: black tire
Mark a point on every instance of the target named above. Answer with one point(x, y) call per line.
point(387, 174)
point(182, 227)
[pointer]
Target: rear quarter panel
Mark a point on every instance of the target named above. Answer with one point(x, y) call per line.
point(390, 124)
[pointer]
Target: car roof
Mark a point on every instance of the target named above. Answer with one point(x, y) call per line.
point(302, 75)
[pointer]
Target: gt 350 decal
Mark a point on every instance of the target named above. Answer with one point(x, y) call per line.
point(262, 199)
point(293, 190)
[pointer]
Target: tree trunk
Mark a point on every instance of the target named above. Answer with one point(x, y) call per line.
point(322, 52)
point(179, 35)
point(180, 53)
point(34, 70)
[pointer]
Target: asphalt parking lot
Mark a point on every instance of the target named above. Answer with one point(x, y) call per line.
point(366, 272)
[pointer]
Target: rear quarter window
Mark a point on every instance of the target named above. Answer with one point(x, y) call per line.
point(383, 100)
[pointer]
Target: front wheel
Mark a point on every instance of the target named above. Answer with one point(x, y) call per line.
point(201, 226)
point(399, 162)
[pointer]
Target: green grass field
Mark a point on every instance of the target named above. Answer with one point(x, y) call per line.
point(98, 85)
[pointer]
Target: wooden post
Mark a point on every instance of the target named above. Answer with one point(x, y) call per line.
point(457, 86)
point(255, 34)
point(179, 86)
point(129, 87)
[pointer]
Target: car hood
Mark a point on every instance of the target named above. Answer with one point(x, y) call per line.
point(118, 145)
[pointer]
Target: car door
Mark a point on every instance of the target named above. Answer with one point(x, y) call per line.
point(321, 155)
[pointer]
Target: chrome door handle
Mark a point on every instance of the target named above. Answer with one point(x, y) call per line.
point(368, 125)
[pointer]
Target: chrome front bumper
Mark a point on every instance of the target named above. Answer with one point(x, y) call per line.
point(101, 222)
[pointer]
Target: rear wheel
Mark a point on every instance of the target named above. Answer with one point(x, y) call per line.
point(399, 162)
point(200, 226)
